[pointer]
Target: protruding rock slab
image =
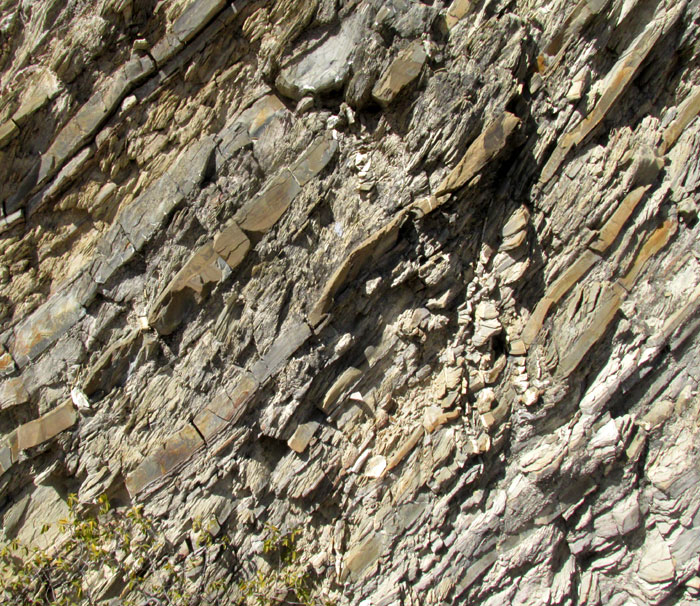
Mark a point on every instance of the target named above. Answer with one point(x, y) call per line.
point(226, 407)
point(652, 245)
point(280, 351)
point(364, 554)
point(13, 393)
point(46, 427)
point(176, 450)
point(38, 332)
point(614, 224)
point(686, 112)
point(113, 364)
point(263, 211)
point(7, 364)
point(484, 149)
point(606, 305)
point(458, 10)
point(349, 377)
point(232, 245)
point(195, 17)
point(614, 85)
point(555, 292)
point(247, 127)
point(302, 436)
point(371, 248)
point(7, 131)
point(325, 68)
point(314, 160)
point(402, 71)
point(212, 262)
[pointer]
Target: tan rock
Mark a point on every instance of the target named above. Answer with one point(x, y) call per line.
point(402, 71)
point(8, 131)
point(656, 564)
point(371, 248)
point(652, 245)
point(609, 232)
point(38, 332)
point(46, 427)
point(265, 209)
point(613, 85)
point(484, 149)
point(686, 112)
point(349, 377)
point(362, 555)
point(375, 467)
point(405, 448)
point(302, 436)
point(12, 393)
point(176, 450)
point(608, 302)
point(314, 160)
point(554, 293)
point(458, 10)
point(7, 364)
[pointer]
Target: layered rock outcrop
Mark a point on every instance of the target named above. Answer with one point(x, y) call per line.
point(419, 278)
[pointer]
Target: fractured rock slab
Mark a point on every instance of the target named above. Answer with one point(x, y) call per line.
point(38, 332)
point(46, 427)
point(326, 67)
point(402, 71)
point(485, 148)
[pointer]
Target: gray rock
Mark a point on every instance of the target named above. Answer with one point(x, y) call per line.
point(327, 66)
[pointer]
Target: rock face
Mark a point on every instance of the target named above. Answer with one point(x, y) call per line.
point(420, 279)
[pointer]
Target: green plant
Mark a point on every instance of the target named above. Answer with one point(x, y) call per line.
point(287, 581)
point(120, 551)
point(104, 552)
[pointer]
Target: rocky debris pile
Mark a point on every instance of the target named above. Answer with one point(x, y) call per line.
point(419, 279)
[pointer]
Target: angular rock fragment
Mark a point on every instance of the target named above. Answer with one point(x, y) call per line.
point(686, 112)
point(247, 127)
point(614, 224)
point(371, 248)
point(176, 450)
point(652, 245)
point(7, 364)
point(606, 300)
point(402, 71)
point(12, 393)
point(483, 149)
point(314, 160)
point(457, 11)
point(263, 211)
point(487, 323)
point(8, 131)
point(327, 66)
point(349, 377)
point(302, 436)
point(197, 14)
point(279, 352)
point(42, 89)
point(112, 365)
point(46, 427)
point(656, 565)
point(364, 554)
point(38, 332)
